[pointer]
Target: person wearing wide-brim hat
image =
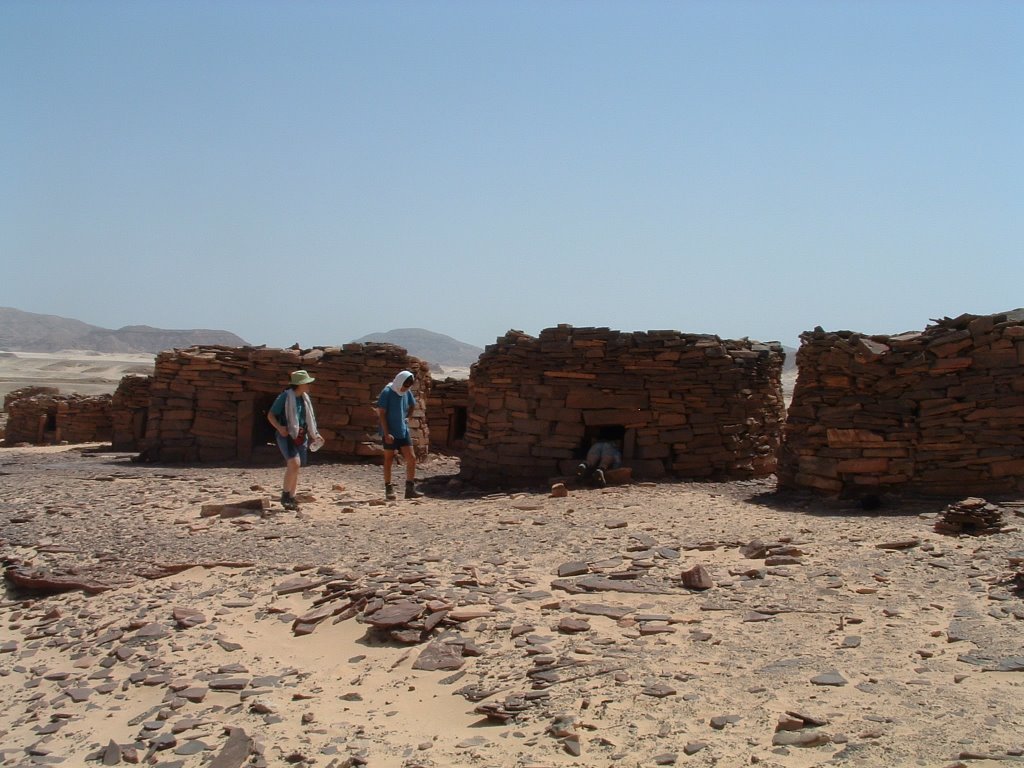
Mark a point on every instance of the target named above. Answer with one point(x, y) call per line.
point(293, 418)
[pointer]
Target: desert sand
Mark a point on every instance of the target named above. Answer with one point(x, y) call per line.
point(71, 371)
point(848, 638)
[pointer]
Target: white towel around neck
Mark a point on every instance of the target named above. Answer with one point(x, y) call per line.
point(292, 415)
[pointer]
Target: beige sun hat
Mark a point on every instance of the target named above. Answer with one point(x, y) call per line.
point(301, 377)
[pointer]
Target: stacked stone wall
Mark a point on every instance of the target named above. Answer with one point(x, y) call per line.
point(447, 414)
point(209, 403)
point(31, 419)
point(937, 412)
point(49, 418)
point(129, 412)
point(686, 405)
point(82, 419)
point(24, 392)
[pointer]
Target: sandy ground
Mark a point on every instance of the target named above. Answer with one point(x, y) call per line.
point(87, 373)
point(868, 639)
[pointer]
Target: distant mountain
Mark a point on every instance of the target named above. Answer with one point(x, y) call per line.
point(30, 332)
point(433, 347)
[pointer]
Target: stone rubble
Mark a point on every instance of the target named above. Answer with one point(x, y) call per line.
point(442, 600)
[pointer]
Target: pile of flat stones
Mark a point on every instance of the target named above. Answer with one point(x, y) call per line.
point(971, 516)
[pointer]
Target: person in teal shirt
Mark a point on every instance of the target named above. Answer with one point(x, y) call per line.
point(293, 418)
point(394, 405)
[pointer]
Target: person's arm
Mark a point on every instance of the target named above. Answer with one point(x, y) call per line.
point(382, 414)
point(272, 418)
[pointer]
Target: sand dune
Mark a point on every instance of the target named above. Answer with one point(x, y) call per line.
point(71, 371)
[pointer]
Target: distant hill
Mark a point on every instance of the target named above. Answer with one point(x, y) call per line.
point(31, 332)
point(435, 348)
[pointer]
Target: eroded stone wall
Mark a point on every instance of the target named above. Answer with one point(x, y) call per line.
point(209, 403)
point(129, 412)
point(58, 418)
point(937, 412)
point(687, 405)
point(23, 392)
point(82, 419)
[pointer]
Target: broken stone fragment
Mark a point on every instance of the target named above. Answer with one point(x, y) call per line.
point(901, 544)
point(829, 678)
point(718, 722)
point(234, 508)
point(659, 690)
point(754, 550)
point(235, 752)
point(187, 617)
point(697, 577)
point(395, 614)
point(800, 738)
point(572, 626)
point(574, 568)
point(438, 655)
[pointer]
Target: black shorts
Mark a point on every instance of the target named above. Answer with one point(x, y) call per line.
point(398, 444)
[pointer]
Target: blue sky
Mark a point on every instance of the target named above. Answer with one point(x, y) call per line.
point(312, 172)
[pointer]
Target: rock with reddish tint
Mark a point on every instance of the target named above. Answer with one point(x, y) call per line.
point(572, 626)
point(601, 609)
point(698, 577)
point(754, 550)
point(188, 617)
point(469, 612)
point(437, 655)
point(659, 690)
point(395, 614)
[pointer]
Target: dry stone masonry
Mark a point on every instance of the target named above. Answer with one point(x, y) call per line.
point(24, 392)
point(130, 411)
point(447, 413)
point(209, 403)
point(684, 405)
point(50, 418)
point(937, 412)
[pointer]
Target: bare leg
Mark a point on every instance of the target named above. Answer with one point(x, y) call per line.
point(291, 476)
point(410, 463)
point(389, 459)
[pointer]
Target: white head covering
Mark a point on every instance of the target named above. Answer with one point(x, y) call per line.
point(399, 380)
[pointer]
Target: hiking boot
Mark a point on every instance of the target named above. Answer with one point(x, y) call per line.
point(288, 502)
point(410, 490)
point(389, 491)
point(599, 479)
point(581, 471)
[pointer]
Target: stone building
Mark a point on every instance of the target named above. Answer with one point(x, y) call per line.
point(209, 403)
point(24, 392)
point(129, 412)
point(936, 412)
point(447, 413)
point(683, 405)
point(49, 418)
